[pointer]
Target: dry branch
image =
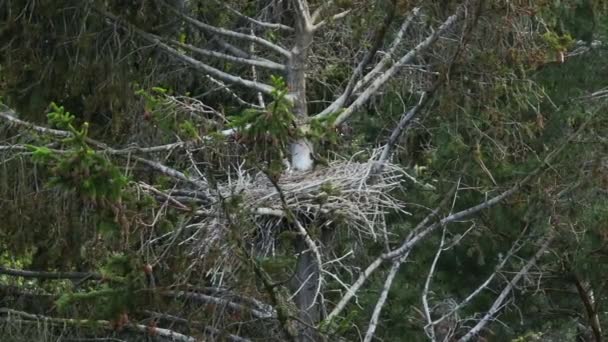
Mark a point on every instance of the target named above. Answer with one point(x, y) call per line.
point(498, 303)
point(50, 275)
point(205, 68)
point(227, 32)
point(424, 229)
point(385, 76)
point(165, 334)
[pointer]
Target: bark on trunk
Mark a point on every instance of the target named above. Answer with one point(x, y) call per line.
point(301, 150)
point(305, 280)
point(306, 276)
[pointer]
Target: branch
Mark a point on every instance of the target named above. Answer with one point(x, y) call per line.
point(49, 275)
point(354, 84)
point(422, 230)
point(159, 332)
point(8, 115)
point(317, 13)
point(235, 50)
point(401, 126)
point(303, 12)
point(266, 89)
point(424, 99)
point(498, 303)
point(330, 19)
point(315, 250)
point(207, 329)
point(255, 312)
point(254, 74)
point(255, 21)
point(351, 292)
point(238, 99)
point(390, 72)
point(373, 323)
point(588, 302)
point(427, 285)
point(388, 56)
point(254, 62)
point(514, 249)
point(488, 203)
point(226, 32)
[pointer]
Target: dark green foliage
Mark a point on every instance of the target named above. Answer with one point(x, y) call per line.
point(269, 131)
point(81, 168)
point(122, 290)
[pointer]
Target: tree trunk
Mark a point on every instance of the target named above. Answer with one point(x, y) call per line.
point(307, 273)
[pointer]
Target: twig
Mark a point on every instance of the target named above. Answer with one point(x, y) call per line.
point(255, 312)
point(427, 285)
point(498, 303)
point(207, 329)
point(337, 16)
point(50, 275)
point(514, 249)
point(373, 323)
point(226, 32)
point(355, 83)
point(160, 332)
point(158, 41)
point(255, 21)
point(390, 72)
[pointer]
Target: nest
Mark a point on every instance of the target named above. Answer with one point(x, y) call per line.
point(340, 193)
point(340, 190)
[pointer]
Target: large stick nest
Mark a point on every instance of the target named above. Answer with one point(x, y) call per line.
point(341, 193)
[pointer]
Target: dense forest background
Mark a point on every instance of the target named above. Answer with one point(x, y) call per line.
point(303, 170)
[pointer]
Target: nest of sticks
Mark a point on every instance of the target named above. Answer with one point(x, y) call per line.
point(338, 193)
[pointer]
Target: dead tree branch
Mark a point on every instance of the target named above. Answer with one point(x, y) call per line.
point(499, 302)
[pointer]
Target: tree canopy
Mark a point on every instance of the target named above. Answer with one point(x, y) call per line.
point(303, 170)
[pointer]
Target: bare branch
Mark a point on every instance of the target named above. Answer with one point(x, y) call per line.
point(235, 50)
point(317, 13)
point(160, 332)
point(422, 230)
point(8, 115)
point(514, 249)
point(227, 33)
point(255, 21)
point(498, 303)
point(207, 329)
point(352, 291)
point(255, 312)
point(427, 285)
point(315, 250)
point(253, 62)
point(390, 72)
point(254, 75)
point(586, 295)
point(238, 99)
point(392, 141)
point(303, 13)
point(354, 83)
point(373, 323)
point(191, 61)
point(49, 275)
point(488, 203)
point(389, 55)
point(330, 19)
